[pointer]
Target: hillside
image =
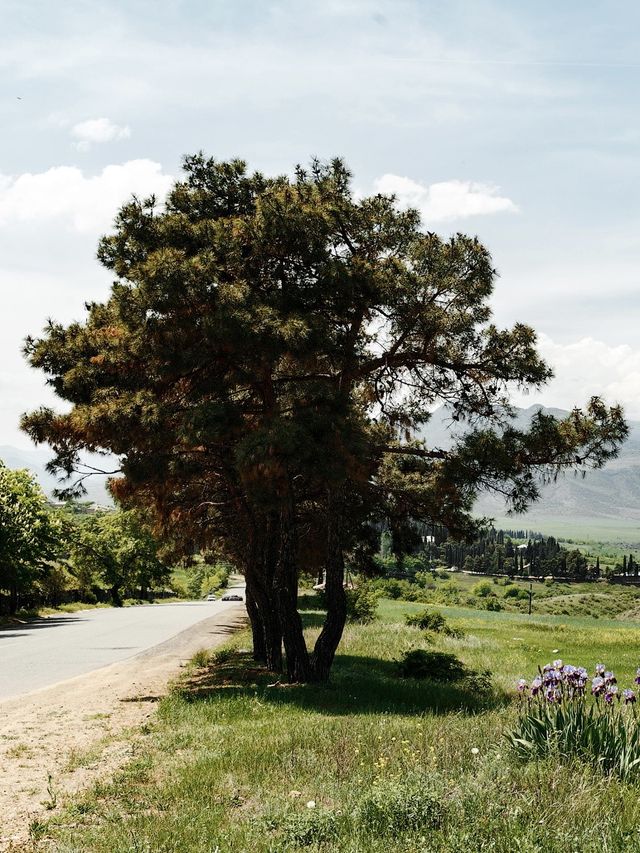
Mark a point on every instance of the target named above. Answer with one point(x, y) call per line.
point(35, 460)
point(611, 494)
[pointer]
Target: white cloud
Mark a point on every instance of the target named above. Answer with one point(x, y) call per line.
point(89, 203)
point(96, 131)
point(589, 367)
point(446, 200)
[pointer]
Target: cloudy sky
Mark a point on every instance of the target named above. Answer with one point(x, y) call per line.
point(518, 122)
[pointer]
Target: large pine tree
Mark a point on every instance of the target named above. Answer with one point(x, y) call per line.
point(268, 350)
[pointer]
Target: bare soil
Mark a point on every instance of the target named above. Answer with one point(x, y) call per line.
point(57, 741)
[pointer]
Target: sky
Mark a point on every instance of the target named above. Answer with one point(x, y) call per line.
point(511, 120)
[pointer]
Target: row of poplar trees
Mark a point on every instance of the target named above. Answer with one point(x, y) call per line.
point(269, 349)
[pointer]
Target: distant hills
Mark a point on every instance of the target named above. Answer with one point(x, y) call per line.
point(612, 493)
point(35, 461)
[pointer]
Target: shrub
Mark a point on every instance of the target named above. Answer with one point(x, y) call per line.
point(428, 620)
point(362, 603)
point(512, 591)
point(493, 604)
point(433, 620)
point(399, 807)
point(482, 589)
point(438, 666)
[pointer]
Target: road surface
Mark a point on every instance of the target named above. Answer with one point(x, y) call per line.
point(41, 653)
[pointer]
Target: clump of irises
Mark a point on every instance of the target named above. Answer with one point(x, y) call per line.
point(567, 713)
point(562, 682)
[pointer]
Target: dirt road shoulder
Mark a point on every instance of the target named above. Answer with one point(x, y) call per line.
point(61, 739)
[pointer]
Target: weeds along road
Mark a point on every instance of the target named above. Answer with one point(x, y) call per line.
point(41, 653)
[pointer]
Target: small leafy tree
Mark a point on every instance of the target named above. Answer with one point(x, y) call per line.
point(117, 550)
point(29, 533)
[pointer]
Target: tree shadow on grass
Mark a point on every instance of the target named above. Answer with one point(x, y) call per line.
point(359, 685)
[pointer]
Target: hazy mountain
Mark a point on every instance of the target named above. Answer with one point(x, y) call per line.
point(35, 461)
point(612, 492)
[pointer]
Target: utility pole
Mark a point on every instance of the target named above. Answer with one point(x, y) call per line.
point(530, 597)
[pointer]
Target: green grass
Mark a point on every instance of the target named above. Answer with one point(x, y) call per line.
point(586, 529)
point(233, 758)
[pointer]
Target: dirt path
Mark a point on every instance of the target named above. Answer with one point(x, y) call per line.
point(61, 739)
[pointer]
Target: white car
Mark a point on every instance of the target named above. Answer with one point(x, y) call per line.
point(211, 597)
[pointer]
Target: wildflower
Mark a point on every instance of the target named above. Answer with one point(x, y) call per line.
point(551, 694)
point(536, 684)
point(610, 678)
point(558, 664)
point(610, 693)
point(637, 678)
point(474, 750)
point(629, 696)
point(311, 804)
point(522, 686)
point(600, 668)
point(597, 685)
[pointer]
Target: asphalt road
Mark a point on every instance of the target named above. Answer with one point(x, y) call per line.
point(41, 653)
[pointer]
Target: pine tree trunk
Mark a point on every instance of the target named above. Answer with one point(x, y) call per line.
point(298, 664)
point(257, 627)
point(331, 634)
point(261, 603)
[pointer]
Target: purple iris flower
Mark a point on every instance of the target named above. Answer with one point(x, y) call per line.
point(600, 668)
point(597, 685)
point(522, 686)
point(610, 693)
point(629, 696)
point(610, 678)
point(536, 684)
point(637, 678)
point(558, 664)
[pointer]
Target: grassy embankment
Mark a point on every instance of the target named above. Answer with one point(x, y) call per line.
point(232, 761)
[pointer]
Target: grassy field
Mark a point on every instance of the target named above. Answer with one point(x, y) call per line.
point(372, 762)
point(620, 531)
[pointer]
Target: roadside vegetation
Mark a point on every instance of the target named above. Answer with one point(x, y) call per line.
point(373, 761)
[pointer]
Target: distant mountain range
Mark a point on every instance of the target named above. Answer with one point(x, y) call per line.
point(612, 492)
point(35, 460)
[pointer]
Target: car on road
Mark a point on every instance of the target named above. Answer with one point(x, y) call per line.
point(211, 597)
point(231, 596)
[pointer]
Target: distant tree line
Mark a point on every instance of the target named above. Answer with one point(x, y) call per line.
point(498, 552)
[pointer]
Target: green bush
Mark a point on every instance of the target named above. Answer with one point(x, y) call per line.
point(493, 604)
point(362, 604)
point(482, 589)
point(399, 807)
point(437, 666)
point(512, 591)
point(433, 620)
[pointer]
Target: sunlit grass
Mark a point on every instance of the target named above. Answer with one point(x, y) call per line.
point(233, 758)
